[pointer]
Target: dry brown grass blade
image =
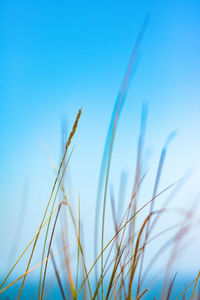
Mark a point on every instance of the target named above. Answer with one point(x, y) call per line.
point(114, 285)
point(118, 246)
point(193, 291)
point(186, 288)
point(129, 270)
point(135, 254)
point(108, 267)
point(136, 257)
point(170, 287)
point(140, 297)
point(116, 279)
point(198, 293)
point(117, 261)
point(57, 275)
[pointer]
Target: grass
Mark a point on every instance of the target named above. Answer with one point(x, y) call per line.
point(123, 270)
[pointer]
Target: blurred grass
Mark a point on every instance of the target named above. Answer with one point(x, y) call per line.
point(129, 244)
point(122, 269)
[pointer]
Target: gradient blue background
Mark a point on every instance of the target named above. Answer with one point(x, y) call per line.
point(58, 56)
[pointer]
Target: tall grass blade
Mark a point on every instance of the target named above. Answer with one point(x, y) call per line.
point(105, 165)
point(57, 177)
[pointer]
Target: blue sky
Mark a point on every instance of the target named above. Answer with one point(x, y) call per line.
point(58, 56)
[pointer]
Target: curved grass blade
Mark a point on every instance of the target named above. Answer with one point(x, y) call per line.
point(105, 165)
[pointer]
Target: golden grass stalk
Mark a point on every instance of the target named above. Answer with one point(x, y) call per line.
point(55, 182)
point(57, 177)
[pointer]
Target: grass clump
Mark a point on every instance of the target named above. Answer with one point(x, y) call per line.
point(122, 271)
